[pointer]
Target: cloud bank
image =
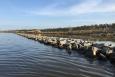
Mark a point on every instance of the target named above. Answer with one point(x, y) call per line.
point(84, 7)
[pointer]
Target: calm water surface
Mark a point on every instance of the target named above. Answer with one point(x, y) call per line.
point(21, 57)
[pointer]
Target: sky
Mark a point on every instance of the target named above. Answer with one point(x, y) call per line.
point(41, 14)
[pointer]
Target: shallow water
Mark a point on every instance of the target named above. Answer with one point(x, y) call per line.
point(21, 57)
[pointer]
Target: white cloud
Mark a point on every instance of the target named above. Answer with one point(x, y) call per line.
point(88, 6)
point(105, 8)
point(84, 7)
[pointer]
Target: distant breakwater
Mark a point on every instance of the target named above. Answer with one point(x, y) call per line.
point(86, 47)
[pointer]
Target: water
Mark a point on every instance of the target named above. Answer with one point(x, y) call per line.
point(21, 57)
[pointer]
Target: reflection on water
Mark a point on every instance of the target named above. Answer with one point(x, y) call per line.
point(107, 42)
point(20, 57)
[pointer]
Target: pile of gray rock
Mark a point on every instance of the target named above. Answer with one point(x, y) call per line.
point(88, 48)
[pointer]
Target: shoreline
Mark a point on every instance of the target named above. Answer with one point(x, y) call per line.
point(88, 48)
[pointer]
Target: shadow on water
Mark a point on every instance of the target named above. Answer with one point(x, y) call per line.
point(69, 52)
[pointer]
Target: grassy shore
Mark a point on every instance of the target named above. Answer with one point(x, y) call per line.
point(104, 32)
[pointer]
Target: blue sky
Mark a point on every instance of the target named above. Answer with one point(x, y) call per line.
point(26, 14)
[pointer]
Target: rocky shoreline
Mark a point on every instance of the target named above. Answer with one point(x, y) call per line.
point(88, 48)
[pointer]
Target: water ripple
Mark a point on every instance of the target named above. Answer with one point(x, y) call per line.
point(20, 57)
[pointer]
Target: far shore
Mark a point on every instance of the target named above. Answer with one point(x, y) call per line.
point(101, 32)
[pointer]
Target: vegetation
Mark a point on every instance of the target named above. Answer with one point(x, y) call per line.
point(90, 32)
